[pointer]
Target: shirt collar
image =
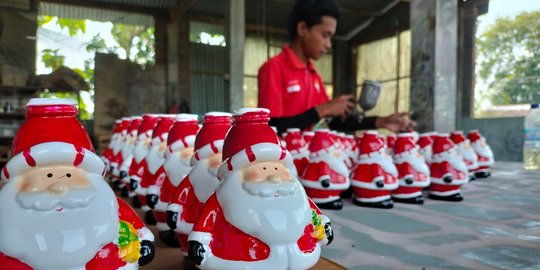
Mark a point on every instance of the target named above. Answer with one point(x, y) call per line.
point(294, 61)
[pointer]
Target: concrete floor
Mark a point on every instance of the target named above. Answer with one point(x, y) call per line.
point(496, 226)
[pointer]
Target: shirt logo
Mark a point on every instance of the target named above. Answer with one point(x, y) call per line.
point(293, 87)
point(317, 86)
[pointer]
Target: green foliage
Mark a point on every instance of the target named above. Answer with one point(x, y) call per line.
point(138, 39)
point(52, 59)
point(509, 59)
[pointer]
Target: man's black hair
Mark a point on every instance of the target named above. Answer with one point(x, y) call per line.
point(311, 12)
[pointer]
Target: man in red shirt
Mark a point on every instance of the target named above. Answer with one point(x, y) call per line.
point(292, 89)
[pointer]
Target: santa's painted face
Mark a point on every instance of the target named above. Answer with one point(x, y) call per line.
point(264, 201)
point(203, 176)
point(185, 156)
point(57, 217)
point(214, 161)
point(141, 149)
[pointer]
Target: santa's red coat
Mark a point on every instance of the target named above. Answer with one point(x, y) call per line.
point(136, 171)
point(230, 243)
point(106, 258)
point(362, 181)
point(311, 176)
point(420, 180)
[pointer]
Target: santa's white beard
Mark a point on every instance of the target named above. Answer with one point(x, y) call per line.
point(272, 219)
point(154, 159)
point(482, 149)
point(455, 160)
point(176, 168)
point(127, 149)
point(337, 164)
point(467, 152)
point(53, 239)
point(118, 146)
point(417, 162)
point(140, 152)
point(426, 152)
point(383, 159)
point(204, 180)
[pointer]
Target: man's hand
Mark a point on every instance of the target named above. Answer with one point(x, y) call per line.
point(339, 106)
point(397, 122)
point(196, 252)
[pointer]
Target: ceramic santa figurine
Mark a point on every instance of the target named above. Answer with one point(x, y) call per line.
point(297, 146)
point(108, 152)
point(180, 141)
point(117, 158)
point(260, 216)
point(425, 144)
point(448, 170)
point(326, 175)
point(127, 153)
point(413, 172)
point(375, 176)
point(484, 153)
point(466, 151)
point(57, 211)
point(154, 161)
point(390, 141)
point(138, 165)
point(307, 135)
point(202, 181)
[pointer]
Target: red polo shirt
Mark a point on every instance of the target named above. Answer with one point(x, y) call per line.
point(288, 87)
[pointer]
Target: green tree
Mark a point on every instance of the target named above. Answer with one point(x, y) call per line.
point(509, 59)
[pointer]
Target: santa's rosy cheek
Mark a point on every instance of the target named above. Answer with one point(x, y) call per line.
point(253, 176)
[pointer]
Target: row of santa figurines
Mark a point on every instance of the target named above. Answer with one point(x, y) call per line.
point(150, 156)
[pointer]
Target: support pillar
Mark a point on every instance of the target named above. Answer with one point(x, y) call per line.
point(235, 36)
point(433, 64)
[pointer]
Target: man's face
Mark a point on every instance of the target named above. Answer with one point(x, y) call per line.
point(317, 40)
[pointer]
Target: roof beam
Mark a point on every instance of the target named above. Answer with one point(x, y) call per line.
point(162, 13)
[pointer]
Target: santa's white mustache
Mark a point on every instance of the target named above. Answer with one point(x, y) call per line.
point(43, 201)
point(269, 189)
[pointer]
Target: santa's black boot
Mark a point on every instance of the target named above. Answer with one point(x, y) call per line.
point(149, 218)
point(135, 202)
point(347, 193)
point(414, 200)
point(386, 204)
point(169, 238)
point(482, 174)
point(450, 198)
point(124, 192)
point(333, 205)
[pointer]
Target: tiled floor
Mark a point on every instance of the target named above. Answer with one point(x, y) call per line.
point(497, 226)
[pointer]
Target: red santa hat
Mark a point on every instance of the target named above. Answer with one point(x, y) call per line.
point(404, 143)
point(50, 135)
point(322, 143)
point(250, 139)
point(294, 140)
point(210, 138)
point(308, 135)
point(442, 144)
point(426, 139)
point(390, 141)
point(135, 124)
point(474, 135)
point(147, 126)
point(370, 143)
point(457, 136)
point(183, 132)
point(162, 128)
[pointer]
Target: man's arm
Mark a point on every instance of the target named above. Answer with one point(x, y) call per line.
point(301, 121)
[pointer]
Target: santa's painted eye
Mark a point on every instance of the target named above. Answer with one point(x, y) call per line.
point(49, 175)
point(68, 175)
point(275, 168)
point(264, 168)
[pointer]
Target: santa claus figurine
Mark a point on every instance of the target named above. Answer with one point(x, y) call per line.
point(117, 158)
point(259, 217)
point(195, 189)
point(390, 142)
point(448, 170)
point(57, 211)
point(108, 152)
point(127, 154)
point(484, 153)
point(154, 161)
point(413, 172)
point(138, 165)
point(425, 144)
point(375, 176)
point(297, 146)
point(326, 175)
point(466, 151)
point(180, 141)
